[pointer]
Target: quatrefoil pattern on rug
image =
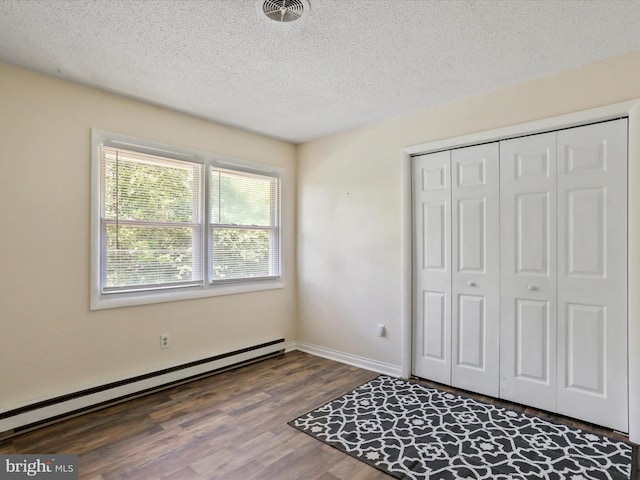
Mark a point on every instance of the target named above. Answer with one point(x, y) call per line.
point(415, 432)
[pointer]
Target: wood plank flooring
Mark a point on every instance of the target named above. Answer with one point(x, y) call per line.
point(229, 426)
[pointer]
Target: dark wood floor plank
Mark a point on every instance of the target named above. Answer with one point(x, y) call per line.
point(186, 473)
point(229, 426)
point(349, 468)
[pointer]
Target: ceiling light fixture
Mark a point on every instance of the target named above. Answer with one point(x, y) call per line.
point(283, 10)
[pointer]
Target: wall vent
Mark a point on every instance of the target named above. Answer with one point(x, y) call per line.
point(283, 10)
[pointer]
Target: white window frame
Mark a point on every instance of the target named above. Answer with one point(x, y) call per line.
point(99, 300)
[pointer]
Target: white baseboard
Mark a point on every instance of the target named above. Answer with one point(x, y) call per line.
point(43, 412)
point(348, 358)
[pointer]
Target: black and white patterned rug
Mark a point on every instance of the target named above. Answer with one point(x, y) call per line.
point(415, 432)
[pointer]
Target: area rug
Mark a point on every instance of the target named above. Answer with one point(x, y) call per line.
point(411, 431)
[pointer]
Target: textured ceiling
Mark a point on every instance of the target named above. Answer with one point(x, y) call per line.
point(347, 63)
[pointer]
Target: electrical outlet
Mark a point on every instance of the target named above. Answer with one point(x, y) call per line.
point(164, 340)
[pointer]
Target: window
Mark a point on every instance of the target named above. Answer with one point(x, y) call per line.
point(151, 221)
point(171, 224)
point(244, 237)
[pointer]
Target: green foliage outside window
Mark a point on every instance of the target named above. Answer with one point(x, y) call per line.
point(156, 198)
point(152, 222)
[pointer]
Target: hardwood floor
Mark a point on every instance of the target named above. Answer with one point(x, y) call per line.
point(229, 426)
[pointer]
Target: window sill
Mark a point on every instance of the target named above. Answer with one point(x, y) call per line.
point(115, 300)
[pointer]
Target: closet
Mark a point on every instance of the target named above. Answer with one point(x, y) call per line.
point(520, 270)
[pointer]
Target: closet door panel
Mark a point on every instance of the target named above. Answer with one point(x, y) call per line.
point(528, 270)
point(470, 329)
point(592, 273)
point(532, 340)
point(434, 325)
point(475, 268)
point(532, 233)
point(432, 267)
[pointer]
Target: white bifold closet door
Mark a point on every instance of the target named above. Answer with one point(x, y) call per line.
point(432, 266)
point(528, 270)
point(456, 269)
point(592, 273)
point(520, 272)
point(475, 266)
point(563, 327)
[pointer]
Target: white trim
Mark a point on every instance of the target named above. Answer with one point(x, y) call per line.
point(42, 414)
point(406, 281)
point(633, 272)
point(569, 120)
point(290, 346)
point(349, 359)
point(116, 300)
point(629, 109)
point(99, 300)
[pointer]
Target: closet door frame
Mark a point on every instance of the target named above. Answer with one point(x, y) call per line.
point(631, 110)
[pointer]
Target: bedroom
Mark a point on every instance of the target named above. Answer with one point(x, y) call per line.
point(343, 233)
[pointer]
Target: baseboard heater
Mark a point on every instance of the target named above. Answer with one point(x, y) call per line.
point(36, 415)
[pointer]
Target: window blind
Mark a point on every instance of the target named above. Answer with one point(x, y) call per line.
point(244, 235)
point(151, 221)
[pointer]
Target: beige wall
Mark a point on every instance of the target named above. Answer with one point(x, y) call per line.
point(349, 201)
point(51, 343)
